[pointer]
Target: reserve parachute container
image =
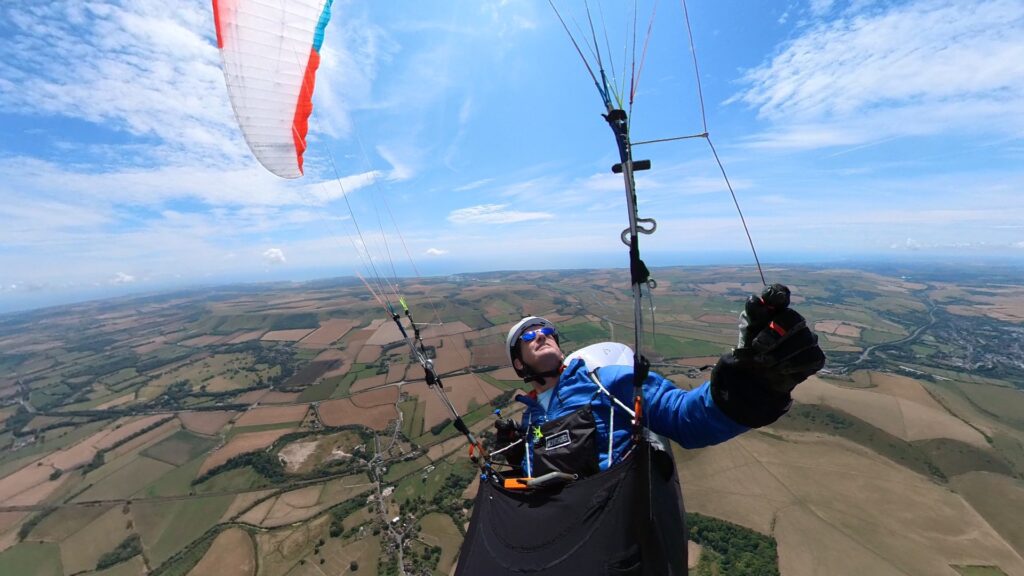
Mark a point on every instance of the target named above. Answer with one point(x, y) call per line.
point(270, 50)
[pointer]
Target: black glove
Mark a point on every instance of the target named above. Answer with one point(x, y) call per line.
point(776, 352)
point(506, 432)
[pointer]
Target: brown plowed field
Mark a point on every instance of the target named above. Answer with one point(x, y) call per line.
point(489, 354)
point(208, 423)
point(385, 334)
point(448, 329)
point(367, 383)
point(369, 354)
point(343, 411)
point(461, 390)
point(397, 371)
point(240, 445)
point(329, 332)
point(286, 335)
point(452, 353)
point(376, 397)
point(231, 554)
point(272, 415)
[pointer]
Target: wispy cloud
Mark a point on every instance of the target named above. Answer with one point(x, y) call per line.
point(922, 68)
point(435, 252)
point(135, 67)
point(474, 185)
point(494, 214)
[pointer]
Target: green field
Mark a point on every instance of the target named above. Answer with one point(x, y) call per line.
point(1003, 403)
point(413, 412)
point(179, 448)
point(31, 559)
point(999, 499)
point(65, 521)
point(131, 567)
point(442, 532)
point(257, 428)
point(415, 485)
point(580, 334)
point(402, 469)
point(322, 390)
point(232, 481)
point(125, 481)
point(166, 527)
point(342, 384)
point(177, 482)
point(84, 548)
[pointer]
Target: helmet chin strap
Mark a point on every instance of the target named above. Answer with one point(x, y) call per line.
point(539, 377)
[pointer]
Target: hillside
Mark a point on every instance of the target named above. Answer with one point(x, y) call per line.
point(280, 429)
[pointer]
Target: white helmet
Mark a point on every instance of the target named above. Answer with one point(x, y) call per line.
point(512, 340)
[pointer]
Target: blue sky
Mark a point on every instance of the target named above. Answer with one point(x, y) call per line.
point(850, 129)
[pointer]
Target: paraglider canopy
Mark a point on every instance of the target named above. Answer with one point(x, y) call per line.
point(270, 50)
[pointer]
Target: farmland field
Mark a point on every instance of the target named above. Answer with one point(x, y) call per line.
point(904, 458)
point(37, 559)
point(179, 448)
point(232, 554)
point(442, 532)
point(167, 527)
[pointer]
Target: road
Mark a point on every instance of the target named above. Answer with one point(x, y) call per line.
point(913, 336)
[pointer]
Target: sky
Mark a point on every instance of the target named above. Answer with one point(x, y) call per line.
point(467, 136)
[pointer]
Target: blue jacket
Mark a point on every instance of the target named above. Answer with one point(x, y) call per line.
point(689, 417)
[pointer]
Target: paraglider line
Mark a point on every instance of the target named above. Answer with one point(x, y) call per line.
point(696, 69)
point(737, 203)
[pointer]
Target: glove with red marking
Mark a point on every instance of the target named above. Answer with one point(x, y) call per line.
point(776, 351)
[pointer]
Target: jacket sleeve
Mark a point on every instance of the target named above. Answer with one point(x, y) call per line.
point(690, 417)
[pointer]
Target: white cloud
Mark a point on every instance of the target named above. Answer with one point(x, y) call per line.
point(819, 7)
point(134, 67)
point(435, 252)
point(122, 278)
point(274, 256)
point(474, 185)
point(336, 188)
point(494, 214)
point(922, 68)
point(400, 170)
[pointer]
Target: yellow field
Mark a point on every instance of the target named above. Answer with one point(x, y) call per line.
point(439, 530)
point(917, 419)
point(242, 502)
point(836, 508)
point(231, 554)
point(286, 335)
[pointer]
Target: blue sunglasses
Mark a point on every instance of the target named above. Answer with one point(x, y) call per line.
point(532, 334)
